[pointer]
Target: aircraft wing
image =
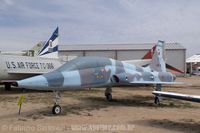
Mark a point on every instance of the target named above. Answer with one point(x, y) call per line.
point(157, 82)
point(25, 72)
point(192, 98)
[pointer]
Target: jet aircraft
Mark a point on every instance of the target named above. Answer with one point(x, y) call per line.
point(16, 67)
point(89, 72)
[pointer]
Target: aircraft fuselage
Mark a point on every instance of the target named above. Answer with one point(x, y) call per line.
point(15, 67)
point(86, 72)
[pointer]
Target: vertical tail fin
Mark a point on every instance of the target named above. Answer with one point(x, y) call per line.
point(157, 62)
point(149, 54)
point(50, 49)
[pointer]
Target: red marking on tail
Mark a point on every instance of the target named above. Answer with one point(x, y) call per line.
point(173, 68)
point(149, 54)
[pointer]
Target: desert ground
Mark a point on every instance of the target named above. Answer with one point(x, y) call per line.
point(132, 110)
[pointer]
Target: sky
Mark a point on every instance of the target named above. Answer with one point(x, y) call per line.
point(23, 23)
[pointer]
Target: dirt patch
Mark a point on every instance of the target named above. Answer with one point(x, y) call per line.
point(132, 110)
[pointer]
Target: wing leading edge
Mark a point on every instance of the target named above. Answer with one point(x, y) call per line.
point(193, 98)
point(157, 82)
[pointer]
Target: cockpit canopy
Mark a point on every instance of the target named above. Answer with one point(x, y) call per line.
point(85, 62)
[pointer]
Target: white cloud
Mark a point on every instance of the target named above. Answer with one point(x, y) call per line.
point(8, 2)
point(101, 21)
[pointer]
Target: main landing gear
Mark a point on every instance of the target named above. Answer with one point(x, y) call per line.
point(56, 108)
point(7, 86)
point(157, 99)
point(108, 93)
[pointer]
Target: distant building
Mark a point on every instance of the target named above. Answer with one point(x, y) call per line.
point(175, 52)
point(193, 64)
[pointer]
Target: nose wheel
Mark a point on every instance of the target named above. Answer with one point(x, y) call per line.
point(56, 109)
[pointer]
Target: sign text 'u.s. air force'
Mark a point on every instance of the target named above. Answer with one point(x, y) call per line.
point(29, 65)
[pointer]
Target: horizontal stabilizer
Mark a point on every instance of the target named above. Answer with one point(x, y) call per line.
point(186, 97)
point(139, 63)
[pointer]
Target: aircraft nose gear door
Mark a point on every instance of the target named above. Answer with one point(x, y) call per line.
point(108, 93)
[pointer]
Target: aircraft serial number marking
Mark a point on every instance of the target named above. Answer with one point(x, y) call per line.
point(29, 65)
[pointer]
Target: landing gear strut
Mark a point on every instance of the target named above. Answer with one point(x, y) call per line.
point(7, 86)
point(157, 98)
point(56, 108)
point(108, 93)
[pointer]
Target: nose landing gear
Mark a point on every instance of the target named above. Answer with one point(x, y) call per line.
point(56, 108)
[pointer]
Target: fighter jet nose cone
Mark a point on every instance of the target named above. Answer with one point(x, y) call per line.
point(37, 82)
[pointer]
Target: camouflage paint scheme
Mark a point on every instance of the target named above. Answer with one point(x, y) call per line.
point(84, 72)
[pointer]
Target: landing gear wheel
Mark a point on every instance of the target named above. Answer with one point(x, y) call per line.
point(56, 109)
point(157, 100)
point(108, 93)
point(109, 97)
